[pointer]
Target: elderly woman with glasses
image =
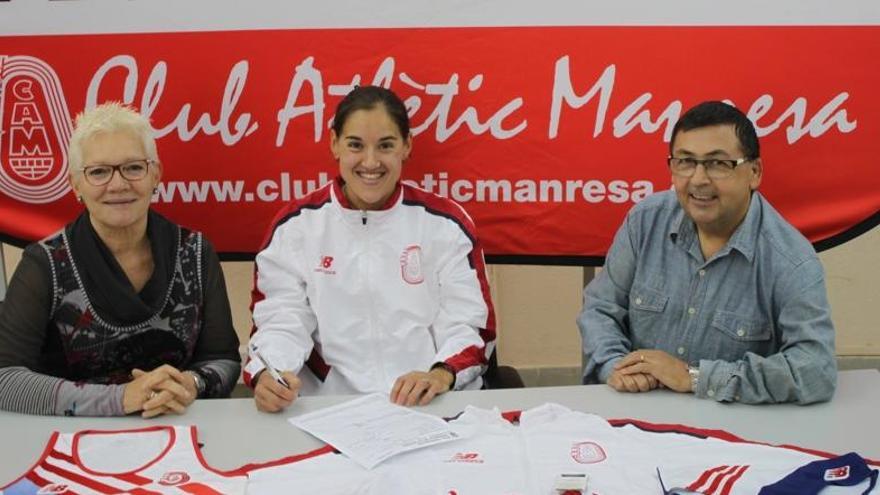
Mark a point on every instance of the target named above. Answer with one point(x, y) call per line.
point(122, 311)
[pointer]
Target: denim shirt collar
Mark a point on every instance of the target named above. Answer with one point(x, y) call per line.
point(744, 239)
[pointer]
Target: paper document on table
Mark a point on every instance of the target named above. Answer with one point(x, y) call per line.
point(371, 429)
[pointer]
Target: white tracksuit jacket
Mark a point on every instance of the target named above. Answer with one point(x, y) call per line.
point(362, 298)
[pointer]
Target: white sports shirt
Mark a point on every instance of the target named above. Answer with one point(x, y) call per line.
point(363, 297)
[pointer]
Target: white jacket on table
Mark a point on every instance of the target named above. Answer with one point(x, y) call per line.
point(363, 297)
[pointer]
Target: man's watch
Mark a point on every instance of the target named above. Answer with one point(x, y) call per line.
point(694, 374)
point(199, 381)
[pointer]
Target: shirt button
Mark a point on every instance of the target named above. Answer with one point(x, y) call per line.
point(740, 332)
point(681, 350)
point(638, 300)
point(702, 273)
point(710, 393)
point(691, 311)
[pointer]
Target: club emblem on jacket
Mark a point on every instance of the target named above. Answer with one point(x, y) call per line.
point(587, 452)
point(411, 265)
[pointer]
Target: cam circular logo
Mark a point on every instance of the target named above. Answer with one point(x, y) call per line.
point(35, 131)
point(587, 452)
point(411, 265)
point(173, 478)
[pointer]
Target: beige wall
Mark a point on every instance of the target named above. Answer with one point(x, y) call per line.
point(853, 272)
point(536, 306)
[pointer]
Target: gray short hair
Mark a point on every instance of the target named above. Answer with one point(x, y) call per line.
point(111, 116)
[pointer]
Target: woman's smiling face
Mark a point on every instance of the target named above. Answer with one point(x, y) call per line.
point(370, 150)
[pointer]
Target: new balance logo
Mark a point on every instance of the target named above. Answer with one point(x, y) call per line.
point(837, 474)
point(467, 457)
point(325, 265)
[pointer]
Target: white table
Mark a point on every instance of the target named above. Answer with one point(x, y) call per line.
point(235, 433)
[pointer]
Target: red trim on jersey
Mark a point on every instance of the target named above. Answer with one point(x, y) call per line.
point(141, 491)
point(172, 435)
point(80, 479)
point(37, 480)
point(198, 489)
point(719, 478)
point(721, 435)
point(452, 210)
point(132, 478)
point(314, 199)
point(194, 438)
point(325, 450)
point(46, 450)
point(728, 485)
point(705, 477)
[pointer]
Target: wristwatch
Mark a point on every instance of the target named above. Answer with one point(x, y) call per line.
point(199, 381)
point(694, 373)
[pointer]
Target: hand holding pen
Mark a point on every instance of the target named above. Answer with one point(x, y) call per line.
point(271, 369)
point(274, 390)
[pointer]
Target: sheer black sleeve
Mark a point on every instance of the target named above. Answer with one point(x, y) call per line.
point(216, 357)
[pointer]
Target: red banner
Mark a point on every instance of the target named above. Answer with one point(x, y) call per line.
point(546, 135)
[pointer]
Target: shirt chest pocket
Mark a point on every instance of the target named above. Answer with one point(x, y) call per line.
point(642, 298)
point(738, 328)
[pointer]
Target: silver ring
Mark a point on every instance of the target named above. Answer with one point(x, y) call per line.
point(153, 394)
point(642, 357)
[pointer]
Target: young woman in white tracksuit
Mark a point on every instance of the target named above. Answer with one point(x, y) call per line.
point(368, 284)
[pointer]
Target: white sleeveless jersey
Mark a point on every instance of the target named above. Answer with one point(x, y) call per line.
point(496, 457)
point(145, 461)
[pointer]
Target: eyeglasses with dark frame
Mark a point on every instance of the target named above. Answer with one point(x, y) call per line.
point(134, 170)
point(716, 168)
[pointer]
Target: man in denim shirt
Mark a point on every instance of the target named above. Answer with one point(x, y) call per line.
point(707, 289)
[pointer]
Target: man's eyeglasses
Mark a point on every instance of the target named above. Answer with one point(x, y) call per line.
point(716, 168)
point(98, 175)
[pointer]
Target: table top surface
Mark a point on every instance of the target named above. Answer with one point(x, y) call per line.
point(234, 433)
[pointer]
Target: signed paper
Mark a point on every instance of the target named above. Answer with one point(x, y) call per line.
point(371, 429)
